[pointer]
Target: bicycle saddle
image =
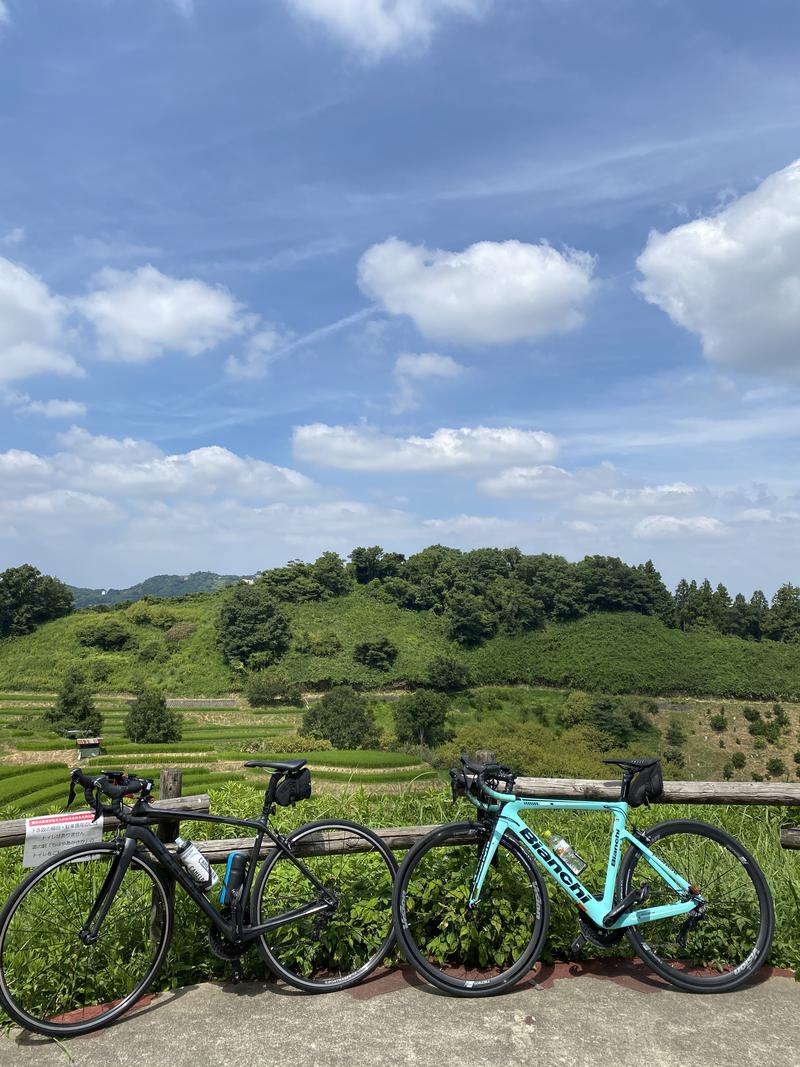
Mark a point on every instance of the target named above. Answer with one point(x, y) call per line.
point(278, 765)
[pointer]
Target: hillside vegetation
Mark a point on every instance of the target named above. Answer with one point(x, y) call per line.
point(174, 644)
point(160, 585)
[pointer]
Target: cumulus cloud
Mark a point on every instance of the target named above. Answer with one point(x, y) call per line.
point(468, 448)
point(669, 526)
point(129, 467)
point(257, 353)
point(733, 278)
point(543, 480)
point(32, 326)
point(647, 496)
point(410, 369)
point(491, 293)
point(141, 314)
point(375, 28)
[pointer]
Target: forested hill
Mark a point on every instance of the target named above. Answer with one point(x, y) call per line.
point(162, 585)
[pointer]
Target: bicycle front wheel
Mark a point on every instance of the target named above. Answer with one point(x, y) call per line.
point(53, 983)
point(719, 946)
point(472, 952)
point(341, 945)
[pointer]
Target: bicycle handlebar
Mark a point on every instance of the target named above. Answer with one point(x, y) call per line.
point(473, 780)
point(113, 784)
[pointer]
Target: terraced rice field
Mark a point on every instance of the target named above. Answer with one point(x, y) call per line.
point(34, 763)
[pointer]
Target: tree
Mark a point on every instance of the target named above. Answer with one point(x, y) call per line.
point(329, 570)
point(447, 673)
point(378, 653)
point(467, 619)
point(783, 621)
point(344, 718)
point(682, 599)
point(74, 708)
point(420, 718)
point(29, 598)
point(252, 628)
point(759, 612)
point(150, 721)
point(721, 609)
point(516, 606)
point(108, 634)
point(369, 563)
point(263, 690)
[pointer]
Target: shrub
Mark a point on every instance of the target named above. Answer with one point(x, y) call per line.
point(738, 759)
point(775, 767)
point(344, 718)
point(180, 631)
point(751, 714)
point(150, 721)
point(379, 653)
point(264, 690)
point(676, 732)
point(289, 743)
point(779, 716)
point(108, 634)
point(727, 772)
point(420, 718)
point(321, 643)
point(718, 722)
point(447, 674)
point(74, 708)
point(673, 755)
point(796, 757)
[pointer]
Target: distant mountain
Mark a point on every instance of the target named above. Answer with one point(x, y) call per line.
point(159, 585)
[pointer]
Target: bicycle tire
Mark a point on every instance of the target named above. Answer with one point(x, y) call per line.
point(469, 838)
point(317, 937)
point(87, 960)
point(716, 938)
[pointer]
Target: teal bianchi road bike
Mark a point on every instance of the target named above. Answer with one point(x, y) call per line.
point(470, 904)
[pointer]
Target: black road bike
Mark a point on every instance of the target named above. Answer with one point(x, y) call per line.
point(86, 934)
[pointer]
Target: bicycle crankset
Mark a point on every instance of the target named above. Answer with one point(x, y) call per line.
point(223, 948)
point(596, 935)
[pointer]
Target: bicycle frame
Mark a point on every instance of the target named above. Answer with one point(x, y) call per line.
point(235, 930)
point(508, 819)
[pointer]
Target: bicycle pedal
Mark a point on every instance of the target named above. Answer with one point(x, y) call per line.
point(576, 947)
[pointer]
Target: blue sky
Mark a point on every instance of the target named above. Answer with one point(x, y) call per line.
point(283, 276)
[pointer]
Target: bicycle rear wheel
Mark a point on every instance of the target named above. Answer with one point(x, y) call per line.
point(720, 946)
point(53, 983)
point(342, 945)
point(470, 952)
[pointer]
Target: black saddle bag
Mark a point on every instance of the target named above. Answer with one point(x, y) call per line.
point(295, 786)
point(648, 785)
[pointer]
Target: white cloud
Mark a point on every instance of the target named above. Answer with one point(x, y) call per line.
point(16, 235)
point(131, 467)
point(541, 480)
point(648, 496)
point(17, 463)
point(733, 278)
point(139, 315)
point(86, 508)
point(257, 354)
point(32, 327)
point(375, 28)
point(54, 409)
point(668, 526)
point(491, 293)
point(468, 448)
point(411, 368)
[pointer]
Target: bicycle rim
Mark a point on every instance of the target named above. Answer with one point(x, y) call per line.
point(733, 931)
point(341, 946)
point(53, 984)
point(478, 951)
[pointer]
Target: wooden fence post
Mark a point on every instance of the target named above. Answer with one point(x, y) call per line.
point(170, 787)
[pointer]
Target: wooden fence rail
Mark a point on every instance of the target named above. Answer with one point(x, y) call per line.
point(400, 838)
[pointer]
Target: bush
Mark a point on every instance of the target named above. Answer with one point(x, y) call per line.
point(676, 733)
point(779, 716)
point(420, 718)
point(751, 714)
point(109, 635)
point(673, 755)
point(718, 722)
point(775, 767)
point(447, 674)
point(344, 718)
point(738, 759)
point(322, 643)
point(289, 743)
point(74, 708)
point(618, 719)
point(252, 629)
point(727, 772)
point(264, 690)
point(379, 653)
point(150, 721)
point(180, 631)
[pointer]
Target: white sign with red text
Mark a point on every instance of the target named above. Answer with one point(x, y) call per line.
point(47, 835)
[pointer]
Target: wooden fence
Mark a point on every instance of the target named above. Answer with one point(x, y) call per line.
point(783, 794)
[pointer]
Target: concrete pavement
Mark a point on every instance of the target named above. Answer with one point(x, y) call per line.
point(577, 1015)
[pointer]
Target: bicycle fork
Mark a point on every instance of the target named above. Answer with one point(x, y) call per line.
point(90, 931)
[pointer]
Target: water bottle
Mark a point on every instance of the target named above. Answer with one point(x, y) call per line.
point(565, 852)
point(196, 864)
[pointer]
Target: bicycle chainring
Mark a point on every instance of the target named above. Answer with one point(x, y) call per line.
point(598, 935)
point(223, 948)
